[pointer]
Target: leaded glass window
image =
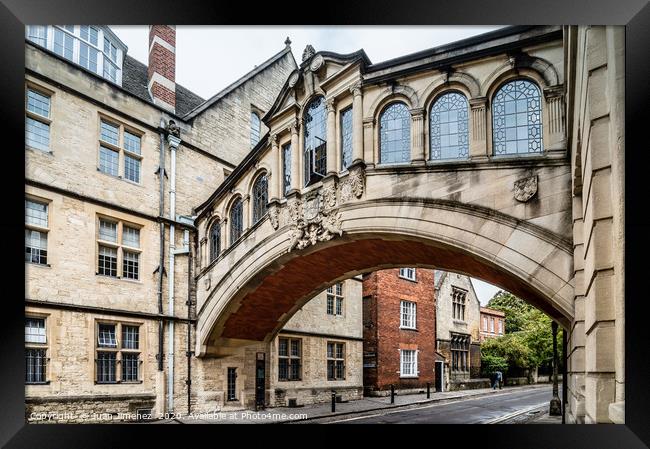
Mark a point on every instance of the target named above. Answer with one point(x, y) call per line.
point(346, 138)
point(335, 299)
point(517, 118)
point(459, 352)
point(236, 220)
point(335, 361)
point(286, 167)
point(35, 350)
point(215, 240)
point(289, 359)
point(260, 197)
point(35, 330)
point(395, 134)
point(315, 122)
point(106, 336)
point(256, 126)
point(449, 131)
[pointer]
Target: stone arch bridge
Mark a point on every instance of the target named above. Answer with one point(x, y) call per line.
point(542, 224)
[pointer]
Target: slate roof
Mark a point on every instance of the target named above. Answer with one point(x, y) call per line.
point(134, 80)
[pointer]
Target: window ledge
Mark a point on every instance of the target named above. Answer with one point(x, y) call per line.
point(43, 265)
point(407, 279)
point(47, 382)
point(47, 152)
point(409, 328)
point(410, 376)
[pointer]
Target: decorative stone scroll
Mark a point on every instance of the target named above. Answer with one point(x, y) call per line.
point(315, 217)
point(525, 188)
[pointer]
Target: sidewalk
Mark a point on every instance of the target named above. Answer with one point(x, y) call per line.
point(278, 415)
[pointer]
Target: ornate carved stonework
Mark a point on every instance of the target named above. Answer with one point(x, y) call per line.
point(352, 186)
point(525, 188)
point(208, 282)
point(316, 63)
point(308, 52)
point(315, 222)
point(315, 217)
point(274, 216)
point(293, 79)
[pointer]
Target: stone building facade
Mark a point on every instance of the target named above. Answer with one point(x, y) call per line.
point(109, 296)
point(530, 201)
point(457, 330)
point(399, 328)
point(493, 323)
point(324, 339)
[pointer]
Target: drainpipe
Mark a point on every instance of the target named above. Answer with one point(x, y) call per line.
point(161, 262)
point(189, 317)
point(173, 141)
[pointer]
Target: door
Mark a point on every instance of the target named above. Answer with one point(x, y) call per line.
point(260, 380)
point(439, 375)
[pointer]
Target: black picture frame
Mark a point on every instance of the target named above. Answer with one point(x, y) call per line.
point(634, 14)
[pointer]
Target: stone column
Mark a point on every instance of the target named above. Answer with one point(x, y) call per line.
point(418, 155)
point(478, 136)
point(369, 141)
point(276, 175)
point(295, 157)
point(554, 96)
point(555, 408)
point(357, 123)
point(331, 137)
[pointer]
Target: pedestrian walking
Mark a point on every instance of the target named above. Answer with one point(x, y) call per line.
point(500, 379)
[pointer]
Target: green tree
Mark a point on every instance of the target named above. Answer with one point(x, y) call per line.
point(528, 342)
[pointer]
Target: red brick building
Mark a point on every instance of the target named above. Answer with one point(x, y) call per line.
point(493, 323)
point(399, 329)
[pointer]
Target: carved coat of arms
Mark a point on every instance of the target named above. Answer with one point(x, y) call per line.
point(525, 188)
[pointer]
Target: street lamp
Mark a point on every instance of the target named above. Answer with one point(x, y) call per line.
point(556, 405)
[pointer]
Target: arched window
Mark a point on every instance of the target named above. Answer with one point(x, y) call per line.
point(260, 197)
point(517, 118)
point(256, 130)
point(449, 133)
point(236, 220)
point(395, 134)
point(315, 120)
point(215, 240)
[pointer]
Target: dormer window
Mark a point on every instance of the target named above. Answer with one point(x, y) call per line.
point(94, 48)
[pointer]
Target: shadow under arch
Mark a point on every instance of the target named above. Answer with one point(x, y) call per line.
point(268, 283)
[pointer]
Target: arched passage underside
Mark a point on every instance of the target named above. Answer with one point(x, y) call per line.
point(268, 283)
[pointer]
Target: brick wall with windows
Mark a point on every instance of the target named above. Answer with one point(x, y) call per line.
point(399, 328)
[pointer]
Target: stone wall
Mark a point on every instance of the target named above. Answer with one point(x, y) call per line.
point(596, 343)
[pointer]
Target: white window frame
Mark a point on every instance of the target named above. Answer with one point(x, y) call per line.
point(500, 326)
point(40, 346)
point(120, 246)
point(414, 362)
point(44, 120)
point(408, 312)
point(76, 47)
point(408, 273)
point(40, 229)
point(492, 325)
point(119, 350)
point(336, 299)
point(120, 149)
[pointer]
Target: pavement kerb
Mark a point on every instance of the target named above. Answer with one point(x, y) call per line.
point(395, 406)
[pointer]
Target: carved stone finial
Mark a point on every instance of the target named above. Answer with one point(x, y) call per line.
point(173, 129)
point(308, 52)
point(287, 42)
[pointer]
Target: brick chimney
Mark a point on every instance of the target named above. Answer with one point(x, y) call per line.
point(161, 73)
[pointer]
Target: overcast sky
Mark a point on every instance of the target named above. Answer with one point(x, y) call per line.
point(209, 58)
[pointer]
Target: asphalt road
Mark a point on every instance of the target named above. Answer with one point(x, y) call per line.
point(479, 410)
